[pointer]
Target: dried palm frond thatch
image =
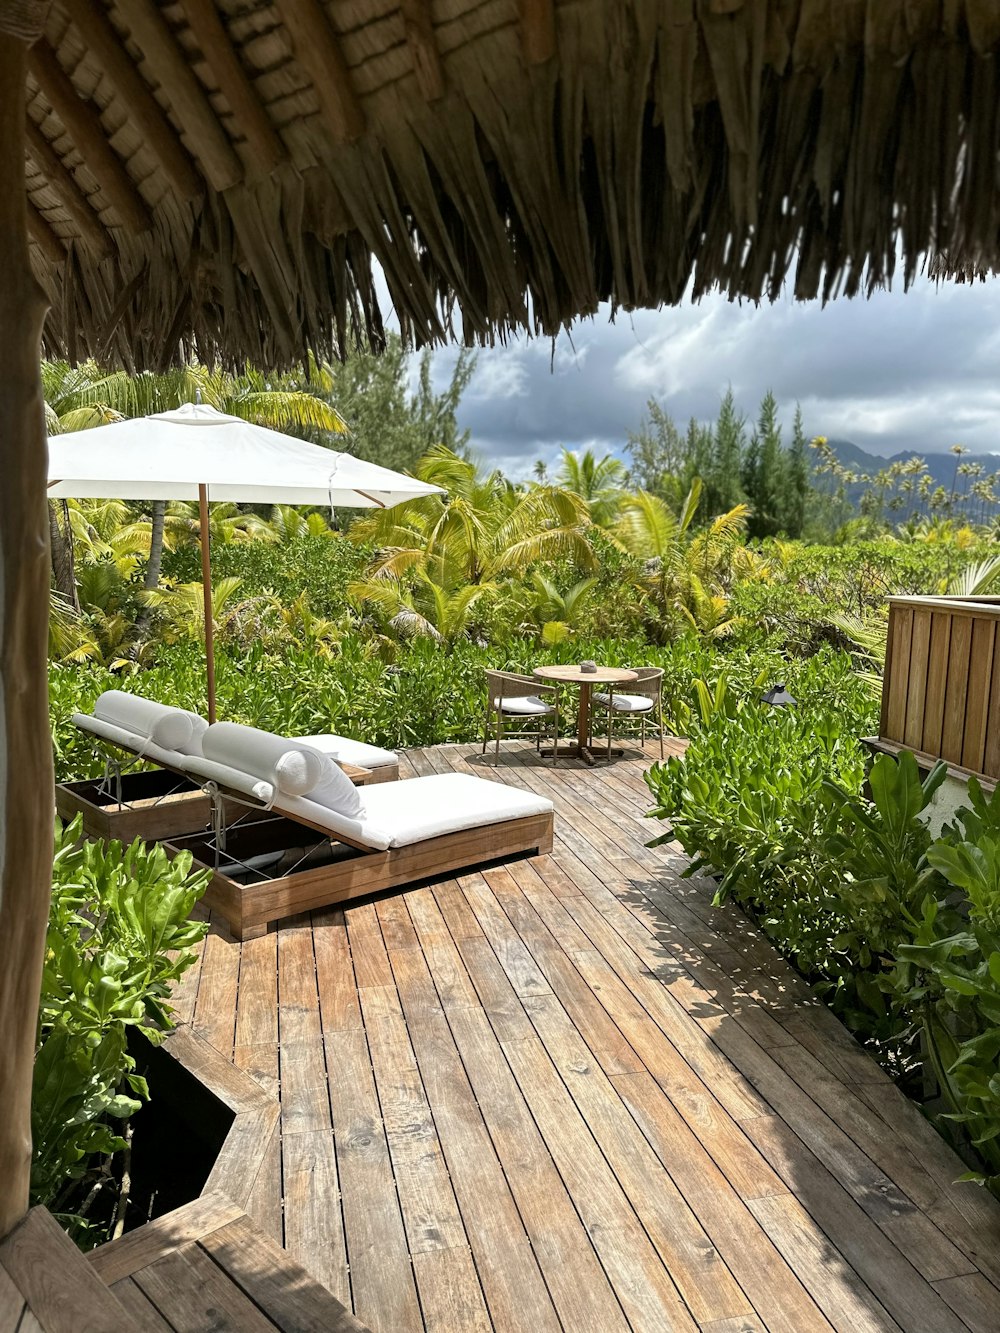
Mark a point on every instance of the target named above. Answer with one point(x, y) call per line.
point(218, 179)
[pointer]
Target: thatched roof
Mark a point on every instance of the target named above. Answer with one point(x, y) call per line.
point(217, 175)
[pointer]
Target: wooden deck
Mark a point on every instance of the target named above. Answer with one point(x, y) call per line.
point(567, 1093)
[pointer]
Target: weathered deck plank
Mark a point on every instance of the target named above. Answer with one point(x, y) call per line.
point(568, 1092)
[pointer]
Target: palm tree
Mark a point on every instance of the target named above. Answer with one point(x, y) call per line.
point(598, 481)
point(438, 556)
point(287, 522)
point(555, 613)
point(484, 528)
point(426, 608)
point(182, 609)
point(686, 574)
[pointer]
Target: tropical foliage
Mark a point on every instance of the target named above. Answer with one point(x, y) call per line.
point(119, 936)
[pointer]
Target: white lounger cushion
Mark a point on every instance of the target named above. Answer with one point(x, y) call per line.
point(287, 765)
point(128, 740)
point(341, 748)
point(396, 814)
point(346, 751)
point(172, 728)
point(198, 728)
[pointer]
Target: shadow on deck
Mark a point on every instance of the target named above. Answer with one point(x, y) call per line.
point(566, 1092)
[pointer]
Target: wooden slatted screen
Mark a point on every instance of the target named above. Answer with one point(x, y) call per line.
point(941, 689)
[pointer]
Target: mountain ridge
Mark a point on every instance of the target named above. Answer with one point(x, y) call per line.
point(938, 463)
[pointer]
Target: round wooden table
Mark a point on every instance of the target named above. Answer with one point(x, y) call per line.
point(585, 680)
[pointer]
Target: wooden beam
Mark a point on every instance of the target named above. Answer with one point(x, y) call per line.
point(25, 744)
point(161, 139)
point(44, 237)
point(317, 49)
point(47, 160)
point(187, 97)
point(84, 127)
point(419, 24)
point(251, 116)
point(538, 30)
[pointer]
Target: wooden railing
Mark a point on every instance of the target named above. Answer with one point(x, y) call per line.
point(941, 690)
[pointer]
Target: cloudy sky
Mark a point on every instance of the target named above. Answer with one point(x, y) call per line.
point(916, 370)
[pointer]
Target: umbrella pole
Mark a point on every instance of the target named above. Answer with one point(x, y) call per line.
point(206, 583)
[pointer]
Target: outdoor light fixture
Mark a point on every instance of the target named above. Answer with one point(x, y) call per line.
point(777, 696)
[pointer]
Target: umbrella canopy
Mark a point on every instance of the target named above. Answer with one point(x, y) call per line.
point(198, 453)
point(170, 455)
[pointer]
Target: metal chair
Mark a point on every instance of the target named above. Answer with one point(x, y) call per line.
point(509, 695)
point(642, 698)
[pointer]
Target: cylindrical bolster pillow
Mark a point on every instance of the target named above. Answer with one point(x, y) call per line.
point(289, 767)
point(170, 728)
point(336, 791)
point(198, 728)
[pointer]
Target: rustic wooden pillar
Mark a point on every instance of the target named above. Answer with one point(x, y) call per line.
point(26, 803)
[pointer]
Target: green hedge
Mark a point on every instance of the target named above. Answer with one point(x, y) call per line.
point(427, 695)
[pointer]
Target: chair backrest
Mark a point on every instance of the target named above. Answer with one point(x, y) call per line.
point(509, 685)
point(649, 681)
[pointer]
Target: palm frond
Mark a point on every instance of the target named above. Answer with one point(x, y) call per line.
point(395, 564)
point(284, 409)
point(647, 527)
point(549, 544)
point(979, 577)
point(690, 506)
point(870, 639)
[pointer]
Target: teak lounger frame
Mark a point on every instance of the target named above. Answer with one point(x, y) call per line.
point(161, 802)
point(249, 908)
point(155, 804)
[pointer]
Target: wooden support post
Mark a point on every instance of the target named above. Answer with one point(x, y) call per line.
point(25, 745)
point(187, 97)
point(83, 125)
point(419, 23)
point(251, 116)
point(317, 49)
point(116, 62)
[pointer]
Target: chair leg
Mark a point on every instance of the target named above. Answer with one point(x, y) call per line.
point(496, 753)
point(486, 730)
point(611, 713)
point(659, 709)
point(555, 732)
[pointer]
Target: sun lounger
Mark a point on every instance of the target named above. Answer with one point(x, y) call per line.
point(371, 838)
point(169, 800)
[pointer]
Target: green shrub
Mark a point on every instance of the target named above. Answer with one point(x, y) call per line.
point(322, 564)
point(747, 801)
point(119, 935)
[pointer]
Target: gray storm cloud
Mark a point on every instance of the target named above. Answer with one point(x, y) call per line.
point(916, 370)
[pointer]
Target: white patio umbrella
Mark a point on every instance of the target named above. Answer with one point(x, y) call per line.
point(198, 453)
